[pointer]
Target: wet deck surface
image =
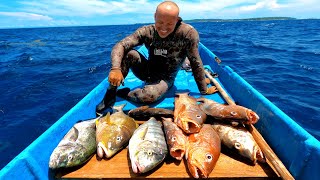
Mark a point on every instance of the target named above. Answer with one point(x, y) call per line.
point(119, 166)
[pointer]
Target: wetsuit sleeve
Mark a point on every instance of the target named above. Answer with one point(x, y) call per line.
point(195, 61)
point(126, 44)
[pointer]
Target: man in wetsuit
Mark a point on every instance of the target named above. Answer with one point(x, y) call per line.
point(169, 41)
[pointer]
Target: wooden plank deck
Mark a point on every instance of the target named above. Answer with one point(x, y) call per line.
point(229, 166)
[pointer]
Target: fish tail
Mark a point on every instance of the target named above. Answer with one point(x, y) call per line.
point(118, 108)
point(201, 99)
point(181, 93)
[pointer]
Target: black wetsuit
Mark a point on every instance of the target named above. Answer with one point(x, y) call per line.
point(166, 56)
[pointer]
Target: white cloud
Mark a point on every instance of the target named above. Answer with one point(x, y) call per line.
point(91, 12)
point(268, 4)
point(85, 7)
point(26, 16)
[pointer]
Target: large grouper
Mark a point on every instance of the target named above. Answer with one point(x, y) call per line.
point(114, 132)
point(147, 146)
point(76, 147)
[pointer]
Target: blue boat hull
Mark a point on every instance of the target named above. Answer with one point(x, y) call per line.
point(297, 149)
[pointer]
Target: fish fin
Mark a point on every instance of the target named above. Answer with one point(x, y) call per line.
point(182, 92)
point(166, 119)
point(108, 118)
point(144, 107)
point(192, 138)
point(201, 99)
point(97, 122)
point(73, 134)
point(118, 108)
point(143, 132)
point(99, 114)
point(104, 118)
point(183, 108)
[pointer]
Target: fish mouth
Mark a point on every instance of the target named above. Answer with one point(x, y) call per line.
point(189, 126)
point(260, 156)
point(252, 116)
point(53, 164)
point(177, 153)
point(199, 171)
point(102, 150)
point(137, 168)
point(257, 155)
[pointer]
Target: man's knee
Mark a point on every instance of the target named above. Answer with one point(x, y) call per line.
point(149, 95)
point(133, 55)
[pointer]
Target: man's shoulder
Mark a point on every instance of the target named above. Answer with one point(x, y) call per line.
point(187, 30)
point(148, 26)
point(186, 27)
point(146, 30)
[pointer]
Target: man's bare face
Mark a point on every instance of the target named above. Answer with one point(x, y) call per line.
point(165, 23)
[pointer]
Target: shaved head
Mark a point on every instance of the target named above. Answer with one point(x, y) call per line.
point(166, 18)
point(168, 7)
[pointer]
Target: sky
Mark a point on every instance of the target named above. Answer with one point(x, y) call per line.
point(55, 13)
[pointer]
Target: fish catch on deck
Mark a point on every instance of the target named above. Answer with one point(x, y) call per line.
point(176, 138)
point(228, 112)
point(187, 113)
point(147, 146)
point(240, 140)
point(76, 147)
point(184, 134)
point(145, 112)
point(114, 132)
point(203, 151)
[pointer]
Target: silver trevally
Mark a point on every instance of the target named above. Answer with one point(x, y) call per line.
point(147, 146)
point(76, 147)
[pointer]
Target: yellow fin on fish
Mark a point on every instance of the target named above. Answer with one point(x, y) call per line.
point(108, 118)
point(143, 132)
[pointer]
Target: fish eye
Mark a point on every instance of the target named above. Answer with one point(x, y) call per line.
point(70, 157)
point(237, 145)
point(233, 113)
point(209, 156)
point(149, 153)
point(174, 138)
point(198, 116)
point(119, 138)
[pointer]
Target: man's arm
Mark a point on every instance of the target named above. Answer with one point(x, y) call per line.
point(196, 62)
point(126, 44)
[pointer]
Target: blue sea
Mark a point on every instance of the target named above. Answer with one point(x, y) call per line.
point(44, 72)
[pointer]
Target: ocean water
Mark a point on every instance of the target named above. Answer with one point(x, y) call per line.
point(44, 72)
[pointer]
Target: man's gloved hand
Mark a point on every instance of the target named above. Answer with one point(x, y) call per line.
point(115, 77)
point(211, 90)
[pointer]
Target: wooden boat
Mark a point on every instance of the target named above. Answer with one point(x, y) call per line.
point(294, 146)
